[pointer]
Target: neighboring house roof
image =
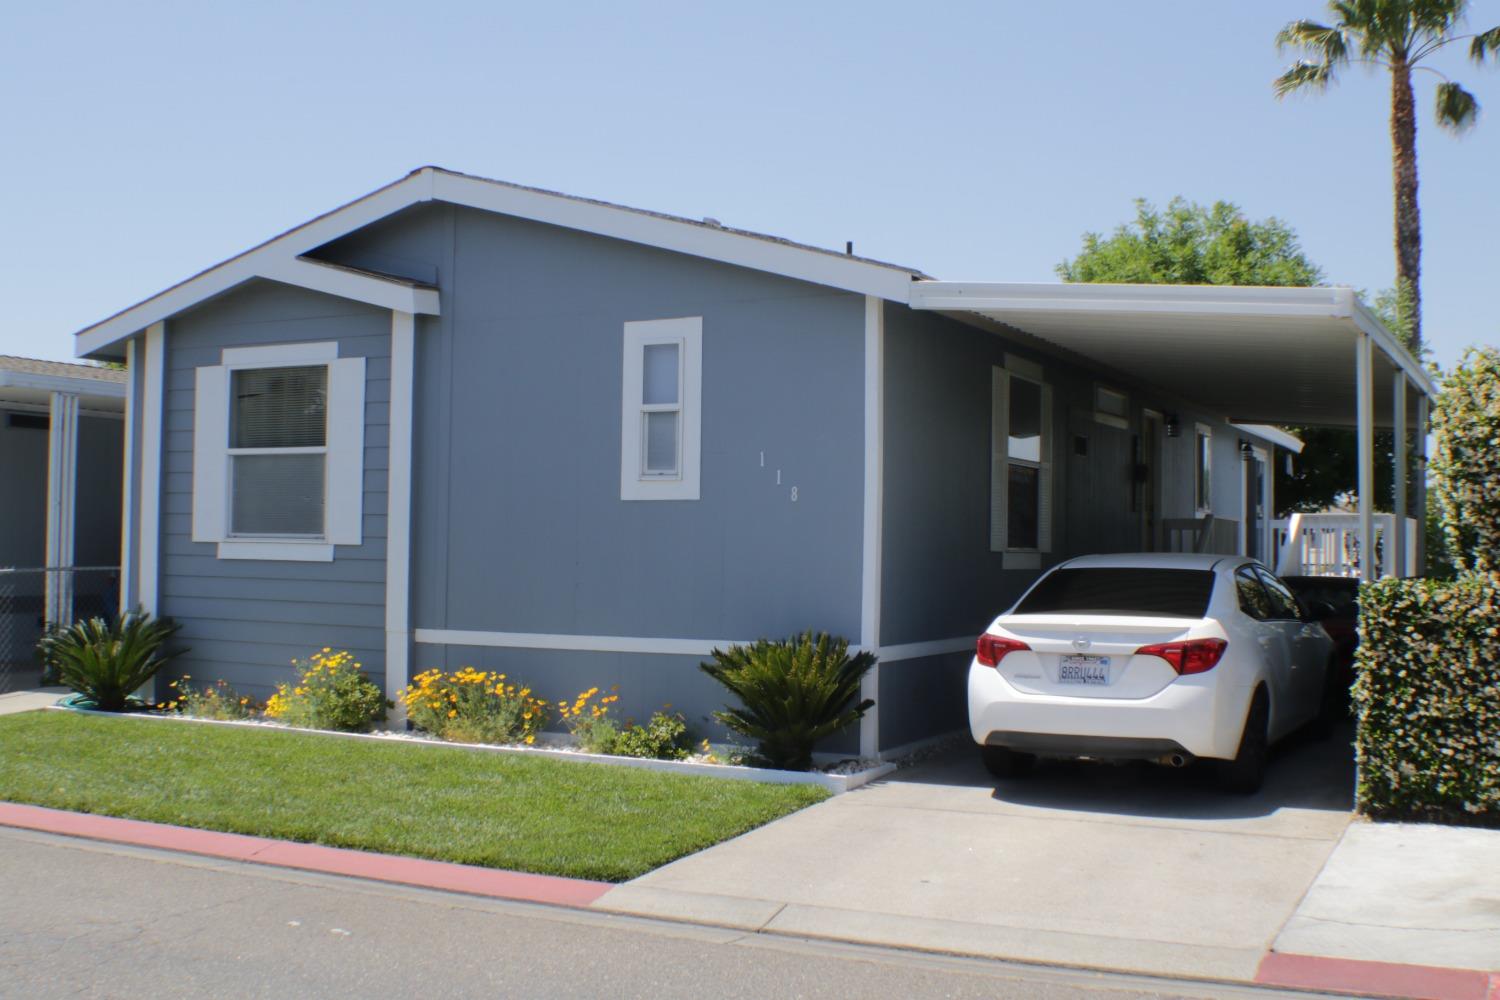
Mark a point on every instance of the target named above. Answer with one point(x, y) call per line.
point(281, 258)
point(30, 382)
point(60, 369)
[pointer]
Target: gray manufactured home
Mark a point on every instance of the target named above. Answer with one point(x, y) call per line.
point(459, 421)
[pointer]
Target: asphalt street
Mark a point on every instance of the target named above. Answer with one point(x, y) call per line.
point(86, 919)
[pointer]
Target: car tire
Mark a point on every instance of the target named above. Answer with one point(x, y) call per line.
point(1245, 774)
point(1003, 762)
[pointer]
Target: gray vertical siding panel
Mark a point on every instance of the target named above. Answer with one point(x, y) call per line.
point(244, 621)
point(519, 524)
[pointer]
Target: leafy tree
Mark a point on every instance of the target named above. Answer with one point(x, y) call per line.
point(1466, 463)
point(1188, 244)
point(1397, 35)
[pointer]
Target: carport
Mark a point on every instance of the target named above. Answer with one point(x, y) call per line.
point(1298, 356)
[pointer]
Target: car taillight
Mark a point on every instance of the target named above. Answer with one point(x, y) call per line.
point(991, 649)
point(1191, 656)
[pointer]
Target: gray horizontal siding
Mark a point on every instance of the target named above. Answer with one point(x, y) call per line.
point(244, 621)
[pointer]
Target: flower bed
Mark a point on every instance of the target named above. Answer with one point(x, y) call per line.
point(835, 780)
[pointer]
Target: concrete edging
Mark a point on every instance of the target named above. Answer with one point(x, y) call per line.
point(834, 783)
point(448, 876)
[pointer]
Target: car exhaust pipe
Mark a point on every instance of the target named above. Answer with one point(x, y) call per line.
point(1174, 760)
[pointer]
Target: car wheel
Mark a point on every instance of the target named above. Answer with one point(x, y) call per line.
point(1247, 771)
point(1003, 762)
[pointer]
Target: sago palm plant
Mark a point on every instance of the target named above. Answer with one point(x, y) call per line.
point(106, 661)
point(795, 692)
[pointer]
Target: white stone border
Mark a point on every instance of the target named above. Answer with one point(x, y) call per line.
point(834, 783)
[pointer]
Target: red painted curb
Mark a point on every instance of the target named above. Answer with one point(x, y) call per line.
point(1348, 975)
point(471, 879)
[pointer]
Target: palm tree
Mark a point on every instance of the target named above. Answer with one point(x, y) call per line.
point(1396, 35)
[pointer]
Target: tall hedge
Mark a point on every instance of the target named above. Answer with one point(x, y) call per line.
point(1428, 699)
point(1466, 460)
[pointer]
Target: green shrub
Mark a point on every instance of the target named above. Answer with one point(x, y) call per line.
point(795, 692)
point(216, 701)
point(1427, 697)
point(663, 738)
point(1466, 460)
point(473, 706)
point(331, 693)
point(105, 662)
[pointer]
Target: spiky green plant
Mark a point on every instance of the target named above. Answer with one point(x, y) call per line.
point(106, 661)
point(795, 692)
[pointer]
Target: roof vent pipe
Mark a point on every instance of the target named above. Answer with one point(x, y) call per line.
point(849, 247)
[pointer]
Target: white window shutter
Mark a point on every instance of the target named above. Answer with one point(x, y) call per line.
point(999, 442)
point(346, 451)
point(1044, 480)
point(210, 454)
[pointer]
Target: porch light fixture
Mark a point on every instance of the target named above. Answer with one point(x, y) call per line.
point(1245, 450)
point(1173, 428)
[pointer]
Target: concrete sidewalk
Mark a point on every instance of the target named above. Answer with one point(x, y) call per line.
point(1412, 894)
point(1127, 868)
point(27, 701)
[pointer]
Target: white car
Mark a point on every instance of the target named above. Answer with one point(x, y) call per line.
point(1156, 656)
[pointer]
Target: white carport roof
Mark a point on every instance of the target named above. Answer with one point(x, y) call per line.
point(1257, 355)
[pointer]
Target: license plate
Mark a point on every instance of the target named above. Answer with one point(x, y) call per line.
point(1083, 670)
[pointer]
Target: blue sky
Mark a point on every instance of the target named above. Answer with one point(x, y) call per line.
point(974, 141)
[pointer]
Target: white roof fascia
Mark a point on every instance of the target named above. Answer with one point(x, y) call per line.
point(61, 383)
point(757, 253)
point(434, 184)
point(1272, 435)
point(377, 205)
point(1204, 300)
point(386, 293)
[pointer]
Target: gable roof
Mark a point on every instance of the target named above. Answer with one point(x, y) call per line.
point(281, 258)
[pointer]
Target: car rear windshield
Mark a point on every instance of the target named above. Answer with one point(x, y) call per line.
point(1176, 593)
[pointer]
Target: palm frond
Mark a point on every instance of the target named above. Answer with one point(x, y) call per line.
point(1485, 43)
point(1304, 76)
point(1330, 43)
point(1456, 107)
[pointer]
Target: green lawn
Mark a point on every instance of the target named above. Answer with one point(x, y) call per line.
point(502, 810)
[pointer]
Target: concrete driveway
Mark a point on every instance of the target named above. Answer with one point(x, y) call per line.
point(1124, 867)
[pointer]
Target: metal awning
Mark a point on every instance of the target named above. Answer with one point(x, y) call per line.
point(1257, 355)
point(1305, 356)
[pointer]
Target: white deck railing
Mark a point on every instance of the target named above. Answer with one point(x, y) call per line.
point(1329, 545)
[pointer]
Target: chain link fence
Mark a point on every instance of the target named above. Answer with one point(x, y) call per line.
point(95, 593)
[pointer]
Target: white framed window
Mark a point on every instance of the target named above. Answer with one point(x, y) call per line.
point(278, 452)
point(661, 411)
point(1203, 465)
point(1111, 407)
point(1020, 463)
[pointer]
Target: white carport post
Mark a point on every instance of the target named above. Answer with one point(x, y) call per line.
point(62, 489)
point(1397, 547)
point(1419, 486)
point(1365, 417)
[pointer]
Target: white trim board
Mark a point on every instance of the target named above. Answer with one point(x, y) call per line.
point(653, 645)
point(398, 509)
point(874, 516)
point(152, 401)
point(277, 258)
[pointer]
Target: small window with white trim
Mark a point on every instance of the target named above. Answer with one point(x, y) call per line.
point(661, 409)
point(1020, 463)
point(278, 452)
point(1111, 407)
point(1203, 460)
